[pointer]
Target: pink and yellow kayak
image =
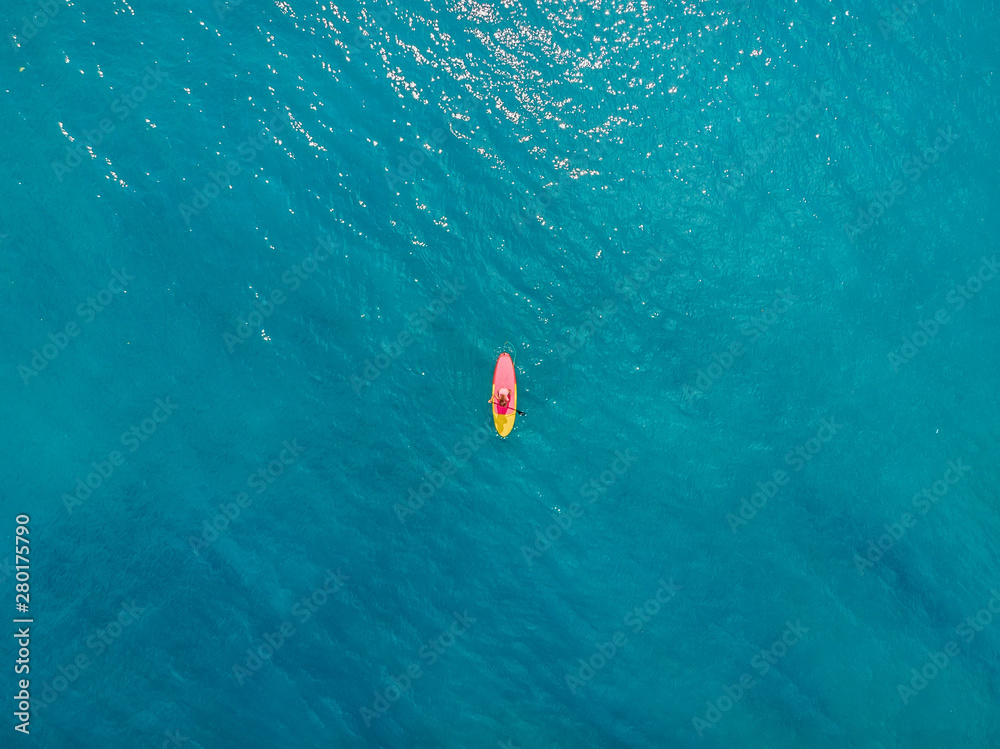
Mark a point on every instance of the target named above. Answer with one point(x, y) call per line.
point(504, 376)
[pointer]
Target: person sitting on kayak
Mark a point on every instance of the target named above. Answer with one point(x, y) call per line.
point(503, 396)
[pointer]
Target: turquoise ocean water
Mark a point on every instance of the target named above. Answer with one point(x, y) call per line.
point(258, 259)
